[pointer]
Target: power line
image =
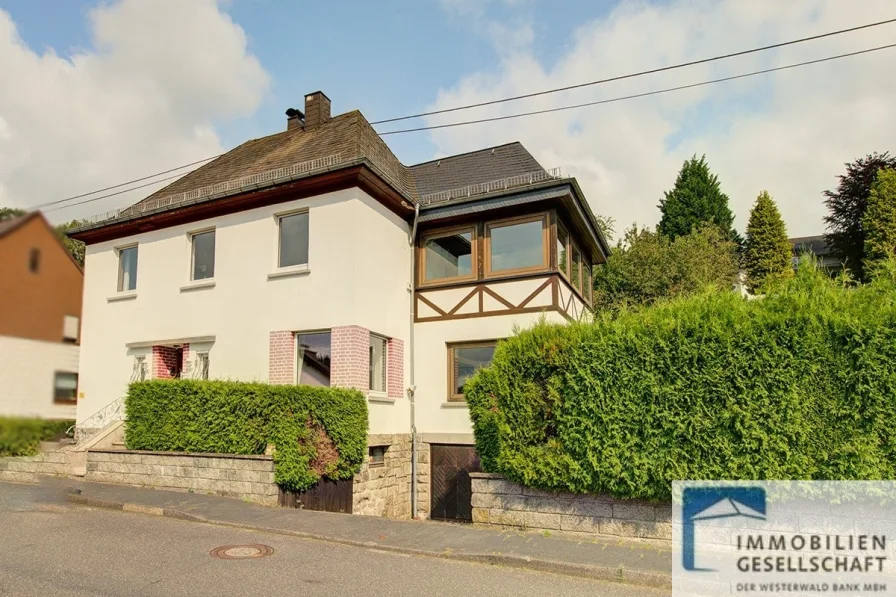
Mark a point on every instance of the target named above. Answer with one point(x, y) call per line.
point(638, 74)
point(73, 197)
point(509, 99)
point(116, 193)
point(637, 95)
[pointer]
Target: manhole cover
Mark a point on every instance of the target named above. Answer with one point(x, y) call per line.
point(241, 552)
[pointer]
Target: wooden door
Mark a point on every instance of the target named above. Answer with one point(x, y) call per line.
point(451, 493)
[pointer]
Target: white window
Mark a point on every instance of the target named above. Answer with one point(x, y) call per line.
point(139, 372)
point(127, 268)
point(377, 364)
point(70, 328)
point(293, 239)
point(201, 365)
point(203, 255)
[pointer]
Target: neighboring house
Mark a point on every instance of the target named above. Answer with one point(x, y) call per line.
point(817, 246)
point(313, 256)
point(40, 309)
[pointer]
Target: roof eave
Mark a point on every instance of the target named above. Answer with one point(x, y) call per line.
point(366, 176)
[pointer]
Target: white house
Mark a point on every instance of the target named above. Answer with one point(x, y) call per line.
point(314, 256)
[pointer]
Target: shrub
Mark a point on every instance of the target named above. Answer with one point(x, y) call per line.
point(646, 266)
point(317, 432)
point(798, 385)
point(22, 436)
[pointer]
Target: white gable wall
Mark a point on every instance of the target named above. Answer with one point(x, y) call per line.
point(358, 274)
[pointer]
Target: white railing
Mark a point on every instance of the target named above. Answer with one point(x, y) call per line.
point(269, 176)
point(112, 412)
point(492, 186)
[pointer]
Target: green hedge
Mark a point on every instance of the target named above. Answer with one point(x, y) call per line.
point(800, 384)
point(22, 437)
point(318, 432)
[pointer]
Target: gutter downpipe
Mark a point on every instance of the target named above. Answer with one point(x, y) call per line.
point(412, 388)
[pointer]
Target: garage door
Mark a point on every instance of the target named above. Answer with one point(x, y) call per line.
point(450, 490)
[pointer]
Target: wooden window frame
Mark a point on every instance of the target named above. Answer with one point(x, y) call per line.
point(452, 346)
point(574, 248)
point(56, 398)
point(566, 246)
point(473, 229)
point(545, 264)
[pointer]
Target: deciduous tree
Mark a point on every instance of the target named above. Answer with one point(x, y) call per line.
point(847, 205)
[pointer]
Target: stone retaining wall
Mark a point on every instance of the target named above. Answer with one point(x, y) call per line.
point(23, 469)
point(385, 490)
point(247, 477)
point(501, 503)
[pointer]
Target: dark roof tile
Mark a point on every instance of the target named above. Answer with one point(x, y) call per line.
point(472, 168)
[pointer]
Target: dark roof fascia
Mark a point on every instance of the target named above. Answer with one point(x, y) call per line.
point(570, 191)
point(356, 173)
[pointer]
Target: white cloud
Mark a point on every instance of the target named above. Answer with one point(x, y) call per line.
point(144, 99)
point(789, 132)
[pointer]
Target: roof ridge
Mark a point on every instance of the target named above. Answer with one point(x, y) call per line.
point(457, 155)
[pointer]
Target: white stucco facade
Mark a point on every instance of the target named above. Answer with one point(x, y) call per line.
point(358, 274)
point(27, 376)
point(435, 414)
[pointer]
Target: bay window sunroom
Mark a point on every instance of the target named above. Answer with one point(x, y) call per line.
point(504, 248)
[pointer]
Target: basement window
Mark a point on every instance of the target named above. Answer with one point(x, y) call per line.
point(376, 456)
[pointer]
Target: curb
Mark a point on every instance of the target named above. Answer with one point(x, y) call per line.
point(605, 573)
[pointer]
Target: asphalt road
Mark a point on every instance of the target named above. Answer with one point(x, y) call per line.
point(52, 548)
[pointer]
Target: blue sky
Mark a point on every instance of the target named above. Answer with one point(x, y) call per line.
point(378, 57)
point(110, 90)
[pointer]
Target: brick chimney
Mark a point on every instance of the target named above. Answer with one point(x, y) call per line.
point(317, 110)
point(294, 119)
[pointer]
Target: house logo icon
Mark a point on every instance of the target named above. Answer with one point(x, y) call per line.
point(713, 503)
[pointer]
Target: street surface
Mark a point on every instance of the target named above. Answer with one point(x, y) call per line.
point(53, 548)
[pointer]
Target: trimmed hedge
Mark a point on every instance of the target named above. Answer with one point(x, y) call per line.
point(22, 436)
point(317, 432)
point(800, 384)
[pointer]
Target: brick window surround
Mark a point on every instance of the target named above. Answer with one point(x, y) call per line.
point(282, 358)
point(165, 357)
point(395, 368)
point(349, 359)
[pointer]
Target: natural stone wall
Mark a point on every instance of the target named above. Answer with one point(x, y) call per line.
point(424, 498)
point(247, 477)
point(498, 502)
point(23, 469)
point(385, 490)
